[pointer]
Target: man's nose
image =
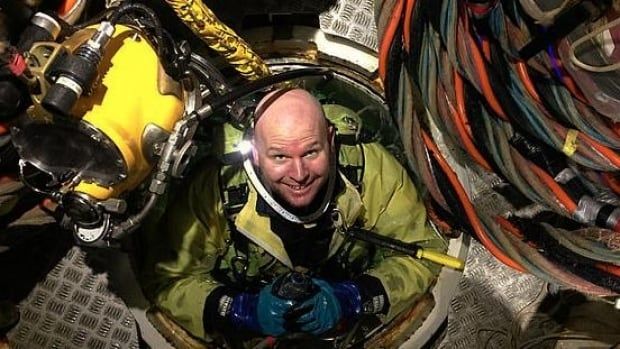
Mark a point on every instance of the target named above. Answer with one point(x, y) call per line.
point(299, 170)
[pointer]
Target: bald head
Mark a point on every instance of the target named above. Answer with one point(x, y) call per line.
point(289, 104)
point(292, 145)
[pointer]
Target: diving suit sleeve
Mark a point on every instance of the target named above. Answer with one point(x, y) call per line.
point(182, 248)
point(393, 209)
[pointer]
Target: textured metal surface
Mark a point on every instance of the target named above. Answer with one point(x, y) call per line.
point(493, 306)
point(73, 308)
point(275, 6)
point(352, 19)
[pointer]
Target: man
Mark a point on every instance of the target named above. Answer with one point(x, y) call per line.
point(217, 271)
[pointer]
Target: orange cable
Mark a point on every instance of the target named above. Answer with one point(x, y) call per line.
point(388, 37)
point(468, 207)
point(66, 6)
point(609, 268)
point(4, 128)
point(612, 182)
point(462, 127)
point(6, 178)
point(508, 226)
point(609, 154)
point(557, 190)
point(486, 48)
point(442, 224)
point(527, 81)
point(572, 88)
point(485, 84)
point(407, 25)
point(459, 92)
point(615, 126)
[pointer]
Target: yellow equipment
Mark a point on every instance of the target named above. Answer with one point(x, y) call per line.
point(134, 101)
point(102, 138)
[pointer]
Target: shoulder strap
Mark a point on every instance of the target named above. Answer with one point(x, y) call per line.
point(233, 189)
point(351, 163)
point(234, 195)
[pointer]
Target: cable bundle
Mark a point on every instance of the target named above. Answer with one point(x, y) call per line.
point(482, 93)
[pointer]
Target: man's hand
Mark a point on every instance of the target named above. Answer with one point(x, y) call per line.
point(333, 302)
point(261, 313)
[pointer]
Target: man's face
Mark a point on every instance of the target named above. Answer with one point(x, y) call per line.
point(293, 155)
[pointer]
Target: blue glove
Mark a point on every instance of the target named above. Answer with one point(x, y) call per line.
point(261, 313)
point(329, 305)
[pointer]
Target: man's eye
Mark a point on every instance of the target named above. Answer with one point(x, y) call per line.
point(311, 153)
point(279, 157)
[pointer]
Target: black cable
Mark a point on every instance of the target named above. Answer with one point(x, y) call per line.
point(125, 8)
point(393, 70)
point(473, 110)
point(575, 263)
point(417, 30)
point(164, 43)
point(220, 101)
point(498, 73)
point(452, 200)
point(94, 20)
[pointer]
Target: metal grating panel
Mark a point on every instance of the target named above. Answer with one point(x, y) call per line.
point(73, 308)
point(493, 305)
point(352, 19)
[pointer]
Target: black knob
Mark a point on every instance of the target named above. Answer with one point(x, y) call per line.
point(59, 99)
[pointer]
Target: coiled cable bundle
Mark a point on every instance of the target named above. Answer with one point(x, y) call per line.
point(481, 90)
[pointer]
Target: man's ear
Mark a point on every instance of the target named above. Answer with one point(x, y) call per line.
point(254, 153)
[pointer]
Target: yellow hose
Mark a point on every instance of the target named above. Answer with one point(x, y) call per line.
point(220, 37)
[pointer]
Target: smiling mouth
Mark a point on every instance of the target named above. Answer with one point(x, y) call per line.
point(297, 187)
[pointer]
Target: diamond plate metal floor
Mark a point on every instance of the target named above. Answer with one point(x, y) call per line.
point(91, 301)
point(489, 300)
point(352, 19)
point(74, 308)
point(497, 307)
point(74, 305)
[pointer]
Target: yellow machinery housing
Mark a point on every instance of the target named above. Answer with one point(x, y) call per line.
point(133, 104)
point(134, 95)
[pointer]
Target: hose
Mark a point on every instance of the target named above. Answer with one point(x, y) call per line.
point(222, 39)
point(388, 38)
point(526, 119)
point(165, 46)
point(132, 222)
point(266, 81)
point(459, 116)
point(582, 246)
point(550, 270)
point(469, 209)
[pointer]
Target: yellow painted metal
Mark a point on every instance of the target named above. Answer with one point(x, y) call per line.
point(196, 15)
point(125, 100)
point(96, 191)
